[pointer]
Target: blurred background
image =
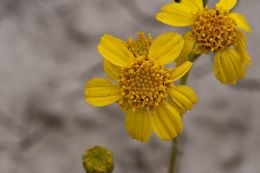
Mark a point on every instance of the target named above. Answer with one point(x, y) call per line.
point(48, 50)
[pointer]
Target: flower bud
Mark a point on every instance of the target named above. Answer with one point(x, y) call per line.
point(98, 160)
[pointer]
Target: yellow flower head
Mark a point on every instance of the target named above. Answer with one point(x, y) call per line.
point(213, 30)
point(145, 90)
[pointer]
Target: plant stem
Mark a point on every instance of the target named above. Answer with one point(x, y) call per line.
point(184, 79)
point(205, 3)
point(193, 57)
point(174, 151)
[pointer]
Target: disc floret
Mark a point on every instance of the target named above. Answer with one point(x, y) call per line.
point(214, 29)
point(141, 46)
point(144, 84)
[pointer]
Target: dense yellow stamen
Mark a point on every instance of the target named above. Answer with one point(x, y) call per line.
point(144, 84)
point(141, 46)
point(214, 29)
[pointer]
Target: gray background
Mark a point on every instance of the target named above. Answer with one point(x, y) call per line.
point(47, 53)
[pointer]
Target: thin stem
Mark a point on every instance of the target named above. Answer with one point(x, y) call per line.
point(205, 3)
point(192, 58)
point(174, 151)
point(184, 79)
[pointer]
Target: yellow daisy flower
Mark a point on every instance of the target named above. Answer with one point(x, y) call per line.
point(213, 30)
point(144, 88)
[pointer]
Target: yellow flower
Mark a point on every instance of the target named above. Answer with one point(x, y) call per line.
point(145, 91)
point(213, 30)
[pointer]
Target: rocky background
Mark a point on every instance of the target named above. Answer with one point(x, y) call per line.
point(47, 53)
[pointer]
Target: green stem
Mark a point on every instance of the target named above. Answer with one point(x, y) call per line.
point(174, 151)
point(184, 79)
point(192, 58)
point(205, 3)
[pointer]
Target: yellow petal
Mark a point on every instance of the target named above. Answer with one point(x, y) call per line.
point(179, 14)
point(166, 122)
point(189, 42)
point(101, 92)
point(241, 22)
point(138, 124)
point(226, 4)
point(114, 50)
point(112, 70)
point(166, 48)
point(179, 107)
point(240, 47)
point(180, 71)
point(228, 66)
point(182, 98)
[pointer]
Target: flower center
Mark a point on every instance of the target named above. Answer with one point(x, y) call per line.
point(141, 46)
point(144, 84)
point(214, 29)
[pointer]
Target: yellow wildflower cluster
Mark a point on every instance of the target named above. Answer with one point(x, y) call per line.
point(145, 90)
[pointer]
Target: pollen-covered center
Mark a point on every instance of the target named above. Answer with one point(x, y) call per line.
point(144, 84)
point(214, 29)
point(141, 46)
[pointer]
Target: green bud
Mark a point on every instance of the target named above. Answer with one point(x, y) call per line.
point(98, 160)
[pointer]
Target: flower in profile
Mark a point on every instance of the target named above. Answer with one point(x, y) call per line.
point(144, 89)
point(213, 30)
point(98, 160)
